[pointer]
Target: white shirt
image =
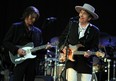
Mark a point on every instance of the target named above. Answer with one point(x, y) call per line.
point(81, 30)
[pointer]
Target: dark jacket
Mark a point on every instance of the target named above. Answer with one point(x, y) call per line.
point(19, 35)
point(90, 41)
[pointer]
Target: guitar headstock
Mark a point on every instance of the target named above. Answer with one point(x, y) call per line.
point(100, 54)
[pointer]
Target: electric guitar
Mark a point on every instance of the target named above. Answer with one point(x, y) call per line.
point(73, 51)
point(29, 48)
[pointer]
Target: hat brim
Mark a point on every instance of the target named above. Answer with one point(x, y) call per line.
point(79, 8)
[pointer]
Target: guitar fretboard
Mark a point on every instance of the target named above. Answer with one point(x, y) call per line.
point(42, 47)
point(38, 48)
point(82, 52)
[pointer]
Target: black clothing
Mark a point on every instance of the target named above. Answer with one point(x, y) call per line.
point(90, 41)
point(19, 35)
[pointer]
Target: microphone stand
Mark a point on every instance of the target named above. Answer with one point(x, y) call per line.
point(67, 48)
point(66, 59)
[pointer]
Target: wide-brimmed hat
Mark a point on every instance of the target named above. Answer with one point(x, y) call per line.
point(90, 9)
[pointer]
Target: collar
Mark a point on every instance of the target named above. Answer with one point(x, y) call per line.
point(83, 28)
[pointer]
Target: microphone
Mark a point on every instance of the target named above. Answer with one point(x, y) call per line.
point(51, 18)
point(74, 18)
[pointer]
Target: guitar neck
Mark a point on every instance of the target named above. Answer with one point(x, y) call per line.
point(43, 46)
point(82, 52)
point(38, 48)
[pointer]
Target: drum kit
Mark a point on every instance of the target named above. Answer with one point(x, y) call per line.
point(54, 66)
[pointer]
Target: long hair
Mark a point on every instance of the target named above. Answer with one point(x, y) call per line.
point(29, 11)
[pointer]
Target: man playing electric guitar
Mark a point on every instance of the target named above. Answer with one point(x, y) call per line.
point(74, 50)
point(22, 33)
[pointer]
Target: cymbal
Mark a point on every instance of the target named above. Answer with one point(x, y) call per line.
point(54, 39)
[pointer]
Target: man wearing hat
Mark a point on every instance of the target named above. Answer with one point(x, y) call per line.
point(85, 37)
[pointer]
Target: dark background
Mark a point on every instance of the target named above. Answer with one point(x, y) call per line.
point(11, 11)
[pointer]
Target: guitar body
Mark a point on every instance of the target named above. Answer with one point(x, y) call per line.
point(73, 50)
point(29, 48)
point(16, 59)
point(63, 55)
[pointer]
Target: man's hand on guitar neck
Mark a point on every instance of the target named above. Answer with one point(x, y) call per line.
point(87, 54)
point(48, 45)
point(53, 44)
